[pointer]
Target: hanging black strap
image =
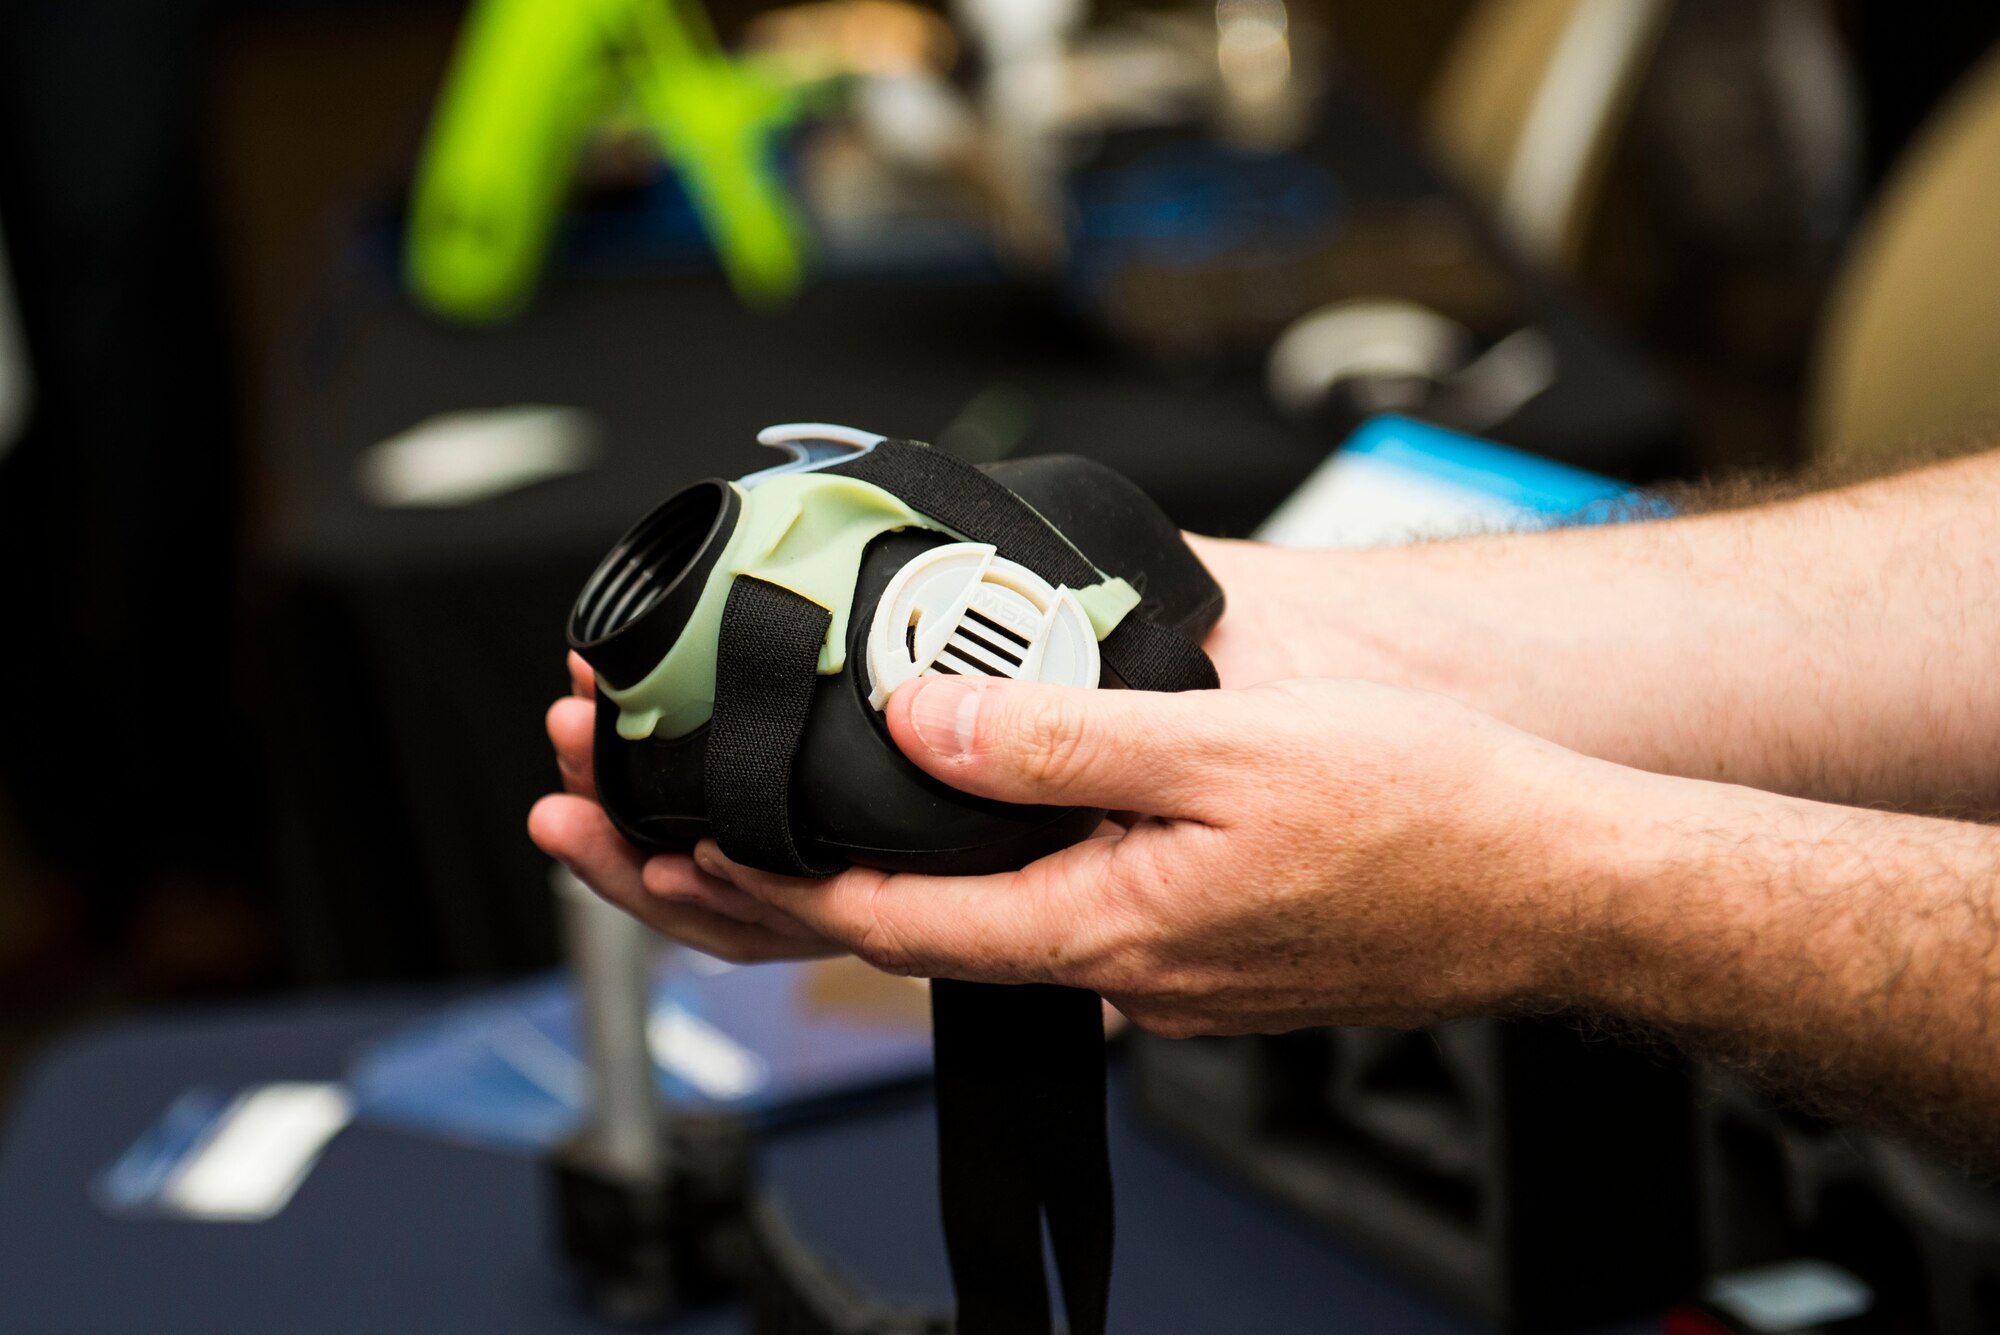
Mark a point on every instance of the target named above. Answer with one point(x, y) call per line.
point(956, 494)
point(766, 668)
point(1020, 1112)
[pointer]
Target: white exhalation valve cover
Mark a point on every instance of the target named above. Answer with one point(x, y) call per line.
point(963, 609)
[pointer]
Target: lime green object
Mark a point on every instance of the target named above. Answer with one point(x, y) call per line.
point(528, 82)
point(805, 532)
point(713, 116)
point(1106, 603)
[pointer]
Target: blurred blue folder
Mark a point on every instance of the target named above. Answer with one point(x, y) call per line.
point(506, 1069)
point(1396, 480)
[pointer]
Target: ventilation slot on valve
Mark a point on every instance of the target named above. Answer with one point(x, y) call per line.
point(964, 610)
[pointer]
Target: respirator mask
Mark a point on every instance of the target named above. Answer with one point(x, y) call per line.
point(746, 637)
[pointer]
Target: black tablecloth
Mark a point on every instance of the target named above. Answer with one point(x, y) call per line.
point(397, 1233)
point(390, 1233)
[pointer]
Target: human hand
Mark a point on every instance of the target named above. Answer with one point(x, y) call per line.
point(1307, 852)
point(1296, 613)
point(1257, 641)
point(666, 891)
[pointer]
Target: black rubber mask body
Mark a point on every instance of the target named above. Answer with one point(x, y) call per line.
point(855, 799)
point(796, 772)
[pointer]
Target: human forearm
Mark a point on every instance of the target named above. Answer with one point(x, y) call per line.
point(1838, 646)
point(1853, 956)
point(1341, 852)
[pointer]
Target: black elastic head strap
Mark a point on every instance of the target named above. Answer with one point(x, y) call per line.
point(766, 668)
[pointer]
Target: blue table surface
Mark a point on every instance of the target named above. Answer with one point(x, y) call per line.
point(397, 1233)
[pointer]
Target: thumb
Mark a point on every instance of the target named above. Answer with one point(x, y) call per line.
point(1143, 751)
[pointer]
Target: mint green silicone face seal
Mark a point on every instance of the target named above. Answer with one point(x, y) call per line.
point(806, 532)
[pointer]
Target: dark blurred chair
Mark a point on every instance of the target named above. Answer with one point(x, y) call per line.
point(1694, 165)
point(1908, 356)
point(1530, 102)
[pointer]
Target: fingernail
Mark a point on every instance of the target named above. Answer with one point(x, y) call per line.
point(943, 714)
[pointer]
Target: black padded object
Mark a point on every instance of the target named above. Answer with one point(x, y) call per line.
point(855, 799)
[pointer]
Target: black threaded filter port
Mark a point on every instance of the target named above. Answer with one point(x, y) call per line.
point(639, 600)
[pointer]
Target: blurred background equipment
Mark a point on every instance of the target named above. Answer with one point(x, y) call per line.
point(1591, 129)
point(1916, 1239)
point(1354, 359)
point(1906, 359)
point(1530, 101)
point(1523, 1173)
point(649, 1205)
point(531, 79)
